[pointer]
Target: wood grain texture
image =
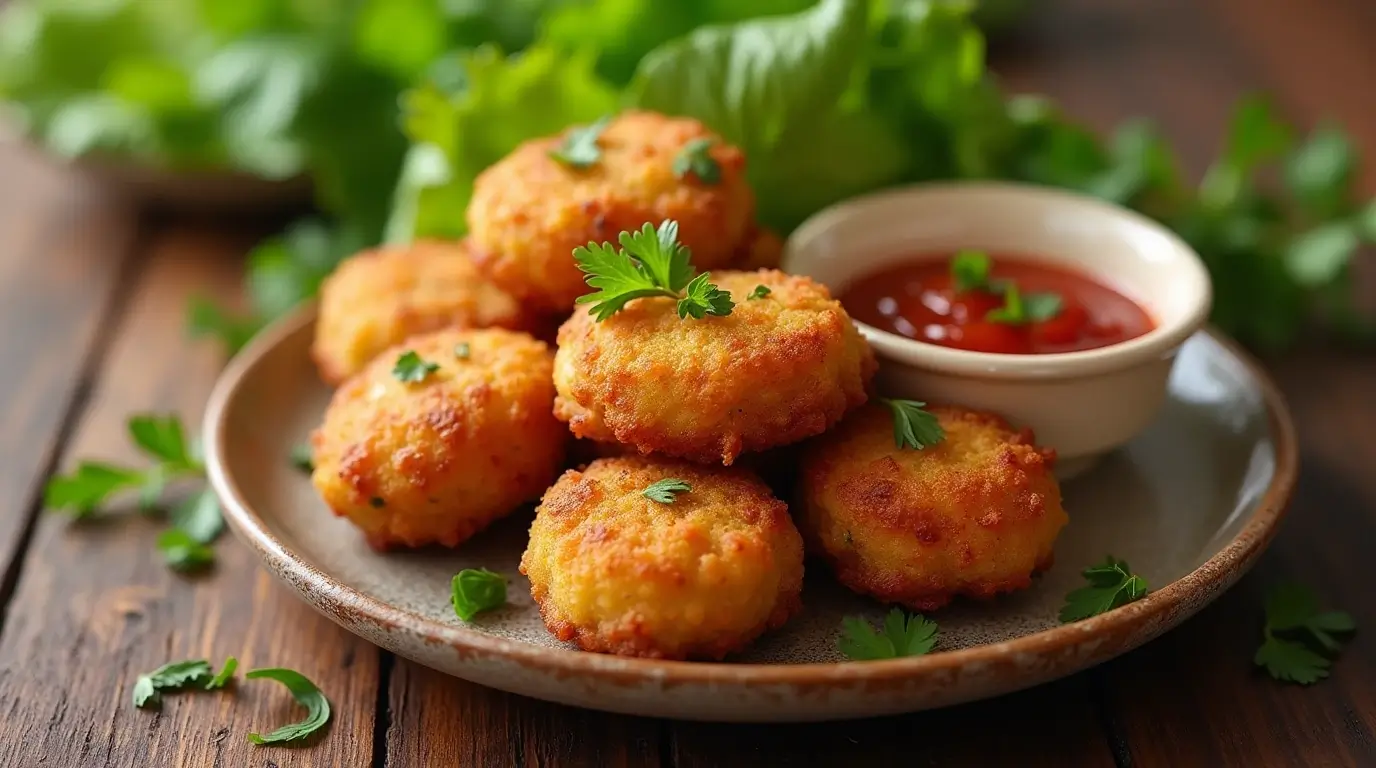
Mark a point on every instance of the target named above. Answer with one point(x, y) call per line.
point(63, 248)
point(95, 607)
point(440, 721)
point(1002, 731)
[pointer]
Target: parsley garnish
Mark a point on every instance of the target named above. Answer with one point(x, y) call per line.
point(760, 292)
point(463, 350)
point(650, 262)
point(1293, 610)
point(1018, 309)
point(664, 491)
point(182, 552)
point(225, 674)
point(148, 688)
point(579, 147)
point(475, 590)
point(1111, 584)
point(695, 159)
point(970, 271)
point(912, 426)
point(411, 369)
point(306, 694)
point(160, 437)
point(302, 457)
point(196, 522)
point(903, 635)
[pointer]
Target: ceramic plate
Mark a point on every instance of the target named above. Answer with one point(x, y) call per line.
point(1190, 504)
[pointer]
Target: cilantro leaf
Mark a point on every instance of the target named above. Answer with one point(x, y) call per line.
point(970, 270)
point(89, 486)
point(1012, 312)
point(579, 148)
point(1042, 306)
point(411, 369)
point(1293, 610)
point(651, 262)
point(760, 292)
point(903, 635)
point(664, 491)
point(694, 158)
point(474, 590)
point(199, 516)
point(307, 694)
point(225, 674)
point(148, 688)
point(1111, 584)
point(914, 427)
point(162, 437)
point(182, 552)
point(859, 641)
point(303, 457)
point(1291, 661)
point(1319, 173)
point(704, 298)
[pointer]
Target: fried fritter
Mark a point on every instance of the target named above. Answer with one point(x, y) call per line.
point(697, 578)
point(977, 514)
point(777, 370)
point(529, 210)
point(380, 297)
point(439, 459)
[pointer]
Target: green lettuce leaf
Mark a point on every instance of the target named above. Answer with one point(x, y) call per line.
point(502, 102)
point(789, 90)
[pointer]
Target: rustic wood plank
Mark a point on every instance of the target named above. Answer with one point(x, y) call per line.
point(95, 607)
point(438, 720)
point(63, 247)
point(1003, 731)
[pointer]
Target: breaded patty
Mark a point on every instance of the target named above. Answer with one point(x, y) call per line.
point(776, 370)
point(697, 578)
point(414, 463)
point(529, 211)
point(380, 297)
point(976, 514)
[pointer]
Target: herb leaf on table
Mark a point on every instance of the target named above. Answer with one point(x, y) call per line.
point(1298, 640)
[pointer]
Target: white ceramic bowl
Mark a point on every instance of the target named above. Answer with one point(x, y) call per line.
point(1083, 404)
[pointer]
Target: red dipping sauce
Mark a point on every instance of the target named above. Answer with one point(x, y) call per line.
point(918, 299)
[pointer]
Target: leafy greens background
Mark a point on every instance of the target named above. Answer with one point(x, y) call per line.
point(394, 106)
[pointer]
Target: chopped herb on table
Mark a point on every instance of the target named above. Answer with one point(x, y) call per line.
point(306, 694)
point(1298, 643)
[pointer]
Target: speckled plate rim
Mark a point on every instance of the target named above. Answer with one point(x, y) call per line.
point(1090, 641)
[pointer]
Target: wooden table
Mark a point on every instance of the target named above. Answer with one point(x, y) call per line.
point(91, 329)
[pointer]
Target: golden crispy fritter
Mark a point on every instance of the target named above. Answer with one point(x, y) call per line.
point(976, 515)
point(380, 297)
point(529, 211)
point(775, 371)
point(697, 578)
point(762, 249)
point(438, 460)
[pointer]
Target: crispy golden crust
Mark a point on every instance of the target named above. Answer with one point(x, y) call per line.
point(775, 371)
point(529, 211)
point(696, 579)
point(975, 515)
point(436, 461)
point(380, 297)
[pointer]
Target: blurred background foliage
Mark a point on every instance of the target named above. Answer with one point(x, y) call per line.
point(392, 108)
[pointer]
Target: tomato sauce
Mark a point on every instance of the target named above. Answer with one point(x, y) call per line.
point(919, 299)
